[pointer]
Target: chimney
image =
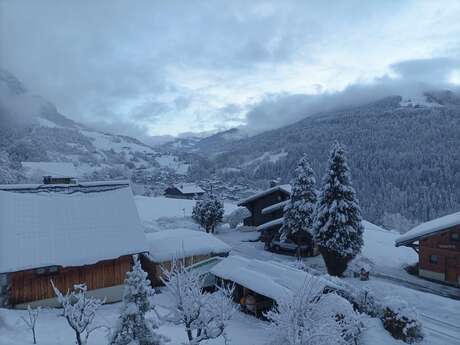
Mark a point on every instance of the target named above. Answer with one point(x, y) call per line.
point(273, 183)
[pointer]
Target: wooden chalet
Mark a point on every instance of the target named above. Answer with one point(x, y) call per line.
point(187, 246)
point(184, 191)
point(263, 200)
point(437, 243)
point(70, 234)
point(260, 284)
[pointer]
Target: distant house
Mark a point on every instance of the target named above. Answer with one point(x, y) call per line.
point(50, 172)
point(187, 246)
point(71, 234)
point(184, 191)
point(437, 243)
point(259, 202)
point(260, 284)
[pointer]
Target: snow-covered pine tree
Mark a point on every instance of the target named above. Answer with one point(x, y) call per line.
point(337, 225)
point(299, 211)
point(208, 212)
point(133, 326)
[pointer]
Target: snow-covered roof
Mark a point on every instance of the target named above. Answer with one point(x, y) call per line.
point(274, 207)
point(40, 229)
point(54, 169)
point(429, 228)
point(180, 243)
point(270, 224)
point(268, 278)
point(189, 188)
point(286, 188)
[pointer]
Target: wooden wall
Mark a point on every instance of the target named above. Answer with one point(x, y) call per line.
point(256, 207)
point(154, 270)
point(447, 251)
point(27, 286)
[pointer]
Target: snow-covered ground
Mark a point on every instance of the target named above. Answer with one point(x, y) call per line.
point(439, 315)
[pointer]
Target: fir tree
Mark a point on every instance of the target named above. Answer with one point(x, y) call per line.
point(133, 327)
point(208, 212)
point(299, 211)
point(337, 226)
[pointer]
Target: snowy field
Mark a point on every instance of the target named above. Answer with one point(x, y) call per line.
point(157, 214)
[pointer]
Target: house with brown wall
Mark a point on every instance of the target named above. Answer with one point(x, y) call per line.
point(263, 200)
point(70, 234)
point(186, 246)
point(437, 243)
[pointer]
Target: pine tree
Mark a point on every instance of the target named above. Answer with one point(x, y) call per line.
point(337, 226)
point(299, 211)
point(208, 212)
point(133, 327)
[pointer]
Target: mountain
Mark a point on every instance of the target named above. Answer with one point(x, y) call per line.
point(404, 155)
point(32, 129)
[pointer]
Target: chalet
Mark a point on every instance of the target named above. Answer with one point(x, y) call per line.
point(260, 284)
point(50, 172)
point(437, 243)
point(184, 191)
point(188, 246)
point(70, 234)
point(262, 201)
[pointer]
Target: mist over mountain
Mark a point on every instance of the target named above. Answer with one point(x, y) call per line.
point(403, 154)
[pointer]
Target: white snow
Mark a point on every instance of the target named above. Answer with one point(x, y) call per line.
point(270, 224)
point(274, 207)
point(54, 169)
point(426, 229)
point(268, 278)
point(181, 243)
point(189, 188)
point(49, 228)
point(172, 162)
point(284, 188)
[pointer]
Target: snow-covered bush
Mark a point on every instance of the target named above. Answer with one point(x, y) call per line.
point(299, 211)
point(310, 317)
point(360, 263)
point(401, 320)
point(79, 311)
point(208, 212)
point(337, 226)
point(134, 327)
point(203, 315)
point(237, 216)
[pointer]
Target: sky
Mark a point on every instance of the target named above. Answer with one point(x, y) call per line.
point(161, 68)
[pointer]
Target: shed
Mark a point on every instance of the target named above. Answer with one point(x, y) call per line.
point(184, 191)
point(189, 246)
point(82, 233)
point(437, 243)
point(265, 281)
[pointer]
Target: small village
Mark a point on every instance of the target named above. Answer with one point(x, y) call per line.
point(66, 242)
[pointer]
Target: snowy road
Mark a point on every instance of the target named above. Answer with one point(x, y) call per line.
point(440, 328)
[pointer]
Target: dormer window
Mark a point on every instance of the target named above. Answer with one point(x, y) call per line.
point(455, 236)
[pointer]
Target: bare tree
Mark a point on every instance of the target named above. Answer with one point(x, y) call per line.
point(31, 320)
point(79, 311)
point(204, 315)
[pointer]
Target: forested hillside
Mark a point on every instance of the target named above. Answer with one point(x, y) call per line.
point(405, 160)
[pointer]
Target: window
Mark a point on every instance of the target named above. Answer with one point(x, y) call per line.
point(455, 236)
point(434, 259)
point(47, 270)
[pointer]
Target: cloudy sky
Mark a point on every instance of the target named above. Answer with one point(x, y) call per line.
point(169, 67)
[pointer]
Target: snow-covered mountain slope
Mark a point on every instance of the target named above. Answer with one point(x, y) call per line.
point(33, 130)
point(403, 155)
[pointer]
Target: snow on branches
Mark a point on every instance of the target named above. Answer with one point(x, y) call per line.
point(299, 211)
point(133, 326)
point(337, 225)
point(79, 311)
point(208, 212)
point(203, 315)
point(310, 317)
